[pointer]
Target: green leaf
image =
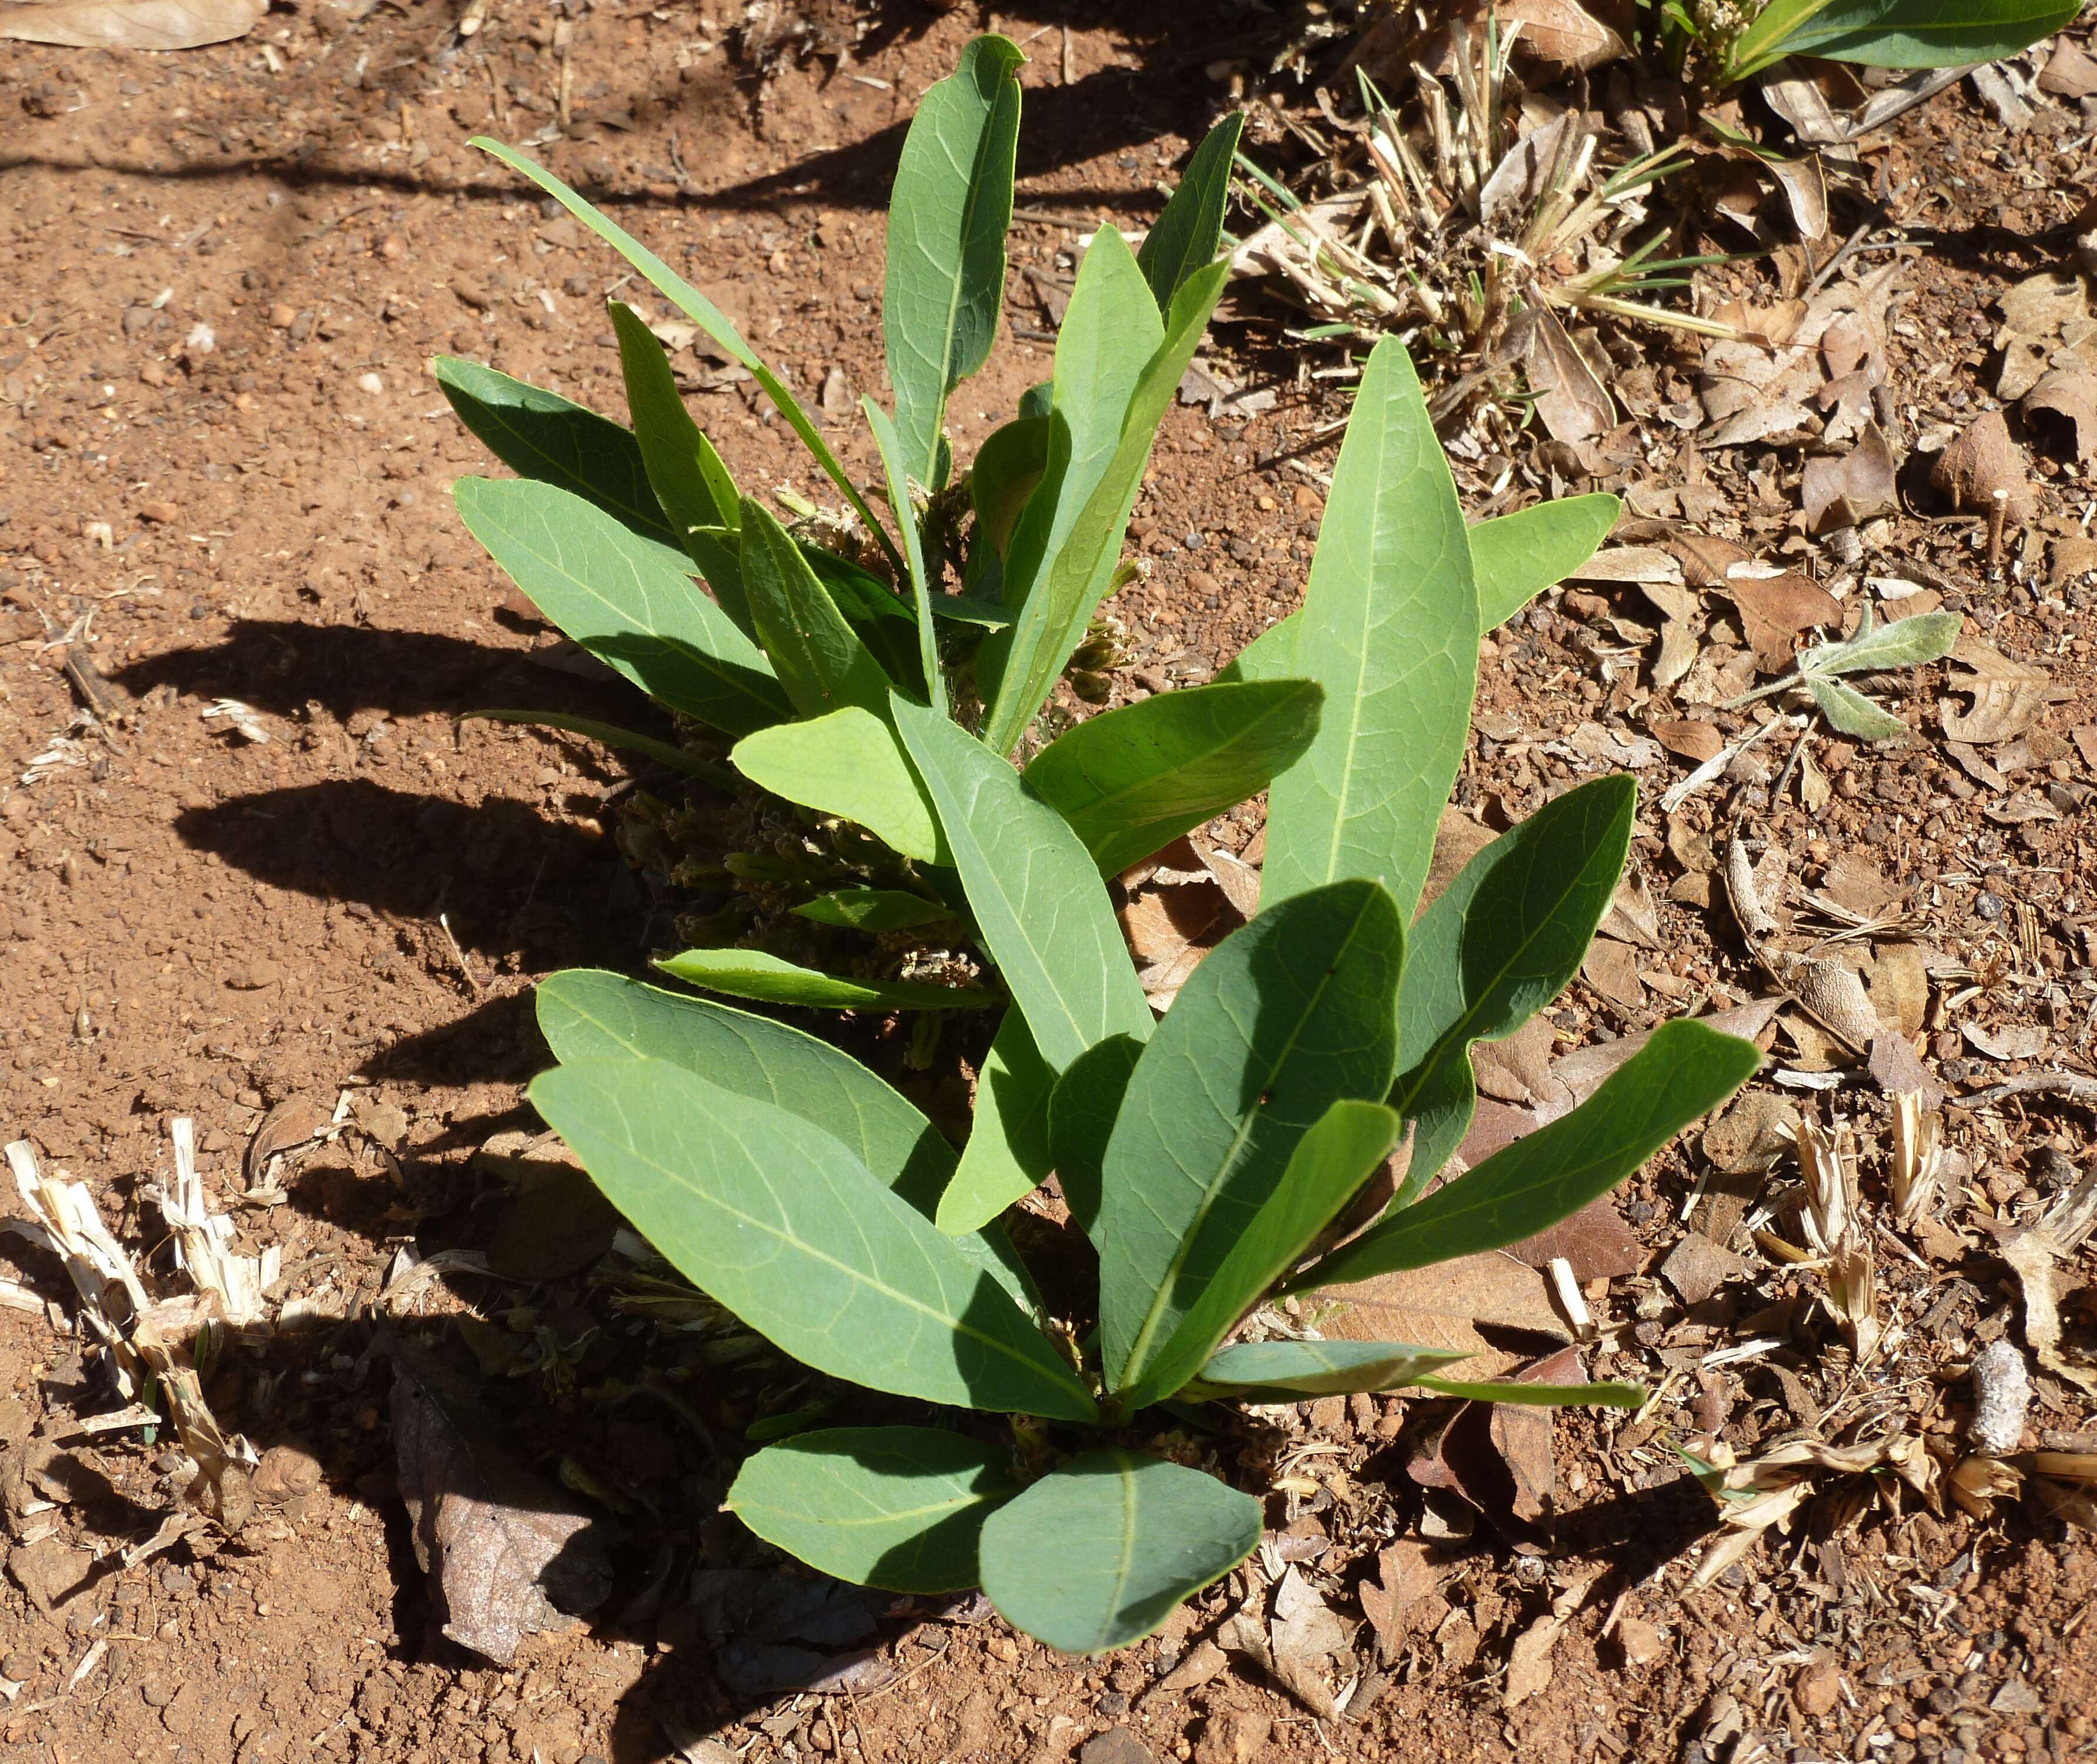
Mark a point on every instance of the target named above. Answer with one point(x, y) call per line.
point(717, 552)
point(1497, 945)
point(1007, 467)
point(691, 482)
point(1007, 1153)
point(1134, 779)
point(1683, 1071)
point(1301, 1371)
point(1390, 630)
point(706, 315)
point(540, 434)
point(948, 212)
point(899, 1508)
point(1038, 901)
point(1905, 643)
point(1081, 1112)
point(1188, 233)
point(753, 973)
point(886, 623)
point(914, 548)
point(873, 909)
point(1904, 33)
point(819, 657)
point(1287, 1016)
point(847, 765)
point(776, 1220)
point(1327, 1169)
point(625, 599)
point(1058, 586)
point(663, 752)
point(586, 1013)
point(1542, 1396)
point(1850, 712)
point(1097, 1554)
point(1514, 558)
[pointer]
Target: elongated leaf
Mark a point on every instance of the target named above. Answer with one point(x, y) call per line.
point(1287, 1016)
point(540, 434)
point(1063, 593)
point(914, 547)
point(1007, 1152)
point(946, 216)
point(966, 609)
point(1135, 779)
point(873, 909)
point(663, 752)
point(1008, 466)
point(899, 1508)
point(886, 623)
point(1514, 558)
point(1038, 901)
point(1325, 1172)
point(1098, 1554)
point(776, 1220)
point(1913, 33)
point(1300, 1372)
point(819, 657)
point(1499, 944)
point(847, 765)
point(1853, 714)
point(690, 479)
point(1904, 643)
point(623, 599)
point(1683, 1071)
point(706, 315)
point(1391, 630)
point(1110, 332)
point(717, 552)
point(752, 973)
point(1081, 1112)
point(588, 1014)
point(1187, 232)
point(1542, 1396)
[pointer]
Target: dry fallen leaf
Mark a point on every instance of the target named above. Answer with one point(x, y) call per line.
point(1981, 466)
point(132, 23)
point(1611, 968)
point(507, 1554)
point(1689, 739)
point(1405, 1575)
point(1775, 609)
point(1565, 37)
point(2069, 71)
point(1304, 1634)
point(2038, 315)
point(1595, 1241)
point(2062, 410)
point(1570, 399)
point(2031, 1254)
point(1445, 1306)
point(1855, 489)
point(2008, 697)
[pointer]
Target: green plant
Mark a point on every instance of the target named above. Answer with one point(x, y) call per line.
point(1206, 1156)
point(1738, 42)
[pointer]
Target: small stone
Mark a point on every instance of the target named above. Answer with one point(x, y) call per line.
point(1116, 1745)
point(391, 248)
point(286, 1473)
point(152, 374)
point(138, 318)
point(1328, 1415)
point(1202, 1665)
point(1234, 1736)
point(258, 974)
point(160, 514)
point(1818, 1688)
point(370, 383)
point(1201, 582)
point(1637, 1640)
point(282, 316)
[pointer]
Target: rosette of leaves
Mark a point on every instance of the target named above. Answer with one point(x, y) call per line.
point(980, 584)
point(1208, 1156)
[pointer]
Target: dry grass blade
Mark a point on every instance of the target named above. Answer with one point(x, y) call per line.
point(203, 1241)
point(1918, 1146)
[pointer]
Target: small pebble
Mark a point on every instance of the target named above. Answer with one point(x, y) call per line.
point(370, 383)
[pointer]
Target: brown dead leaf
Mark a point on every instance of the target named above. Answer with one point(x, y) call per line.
point(507, 1553)
point(2068, 72)
point(1898, 980)
point(1633, 917)
point(285, 1128)
point(1446, 1306)
point(2008, 697)
point(1303, 1635)
point(1564, 37)
point(2039, 314)
point(1457, 840)
point(2061, 409)
point(1405, 1575)
point(1595, 1240)
point(1855, 489)
point(132, 23)
point(1611, 968)
point(1517, 1069)
point(1854, 881)
point(1172, 922)
point(1689, 739)
point(1705, 558)
point(1981, 464)
point(1573, 403)
point(1775, 609)
point(2031, 1254)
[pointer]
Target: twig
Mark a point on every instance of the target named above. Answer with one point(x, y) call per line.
point(901, 1679)
point(1842, 252)
point(2071, 1086)
point(458, 955)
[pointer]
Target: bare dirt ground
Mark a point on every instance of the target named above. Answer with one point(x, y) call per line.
point(223, 470)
